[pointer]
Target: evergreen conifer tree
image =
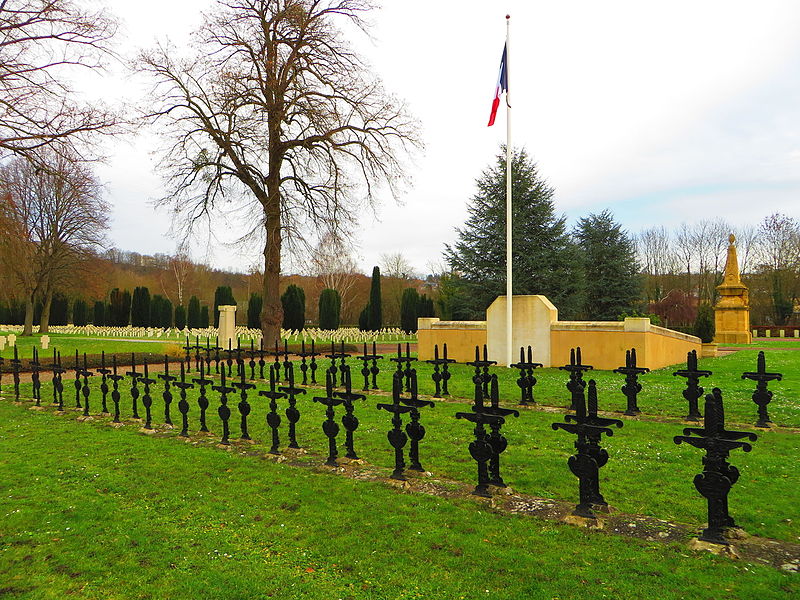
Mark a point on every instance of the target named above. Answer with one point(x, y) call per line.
point(98, 314)
point(223, 296)
point(205, 319)
point(613, 283)
point(294, 308)
point(165, 321)
point(363, 319)
point(140, 307)
point(409, 306)
point(254, 311)
point(375, 312)
point(193, 313)
point(545, 260)
point(704, 326)
point(80, 313)
point(330, 305)
point(425, 307)
point(59, 310)
point(180, 316)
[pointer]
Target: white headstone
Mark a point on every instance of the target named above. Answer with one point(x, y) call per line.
point(2, 342)
point(45, 342)
point(12, 340)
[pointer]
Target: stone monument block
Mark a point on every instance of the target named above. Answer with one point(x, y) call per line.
point(227, 326)
point(531, 319)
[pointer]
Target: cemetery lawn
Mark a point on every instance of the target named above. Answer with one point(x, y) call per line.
point(92, 512)
point(67, 344)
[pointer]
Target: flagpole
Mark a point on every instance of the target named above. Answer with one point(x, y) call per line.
point(509, 275)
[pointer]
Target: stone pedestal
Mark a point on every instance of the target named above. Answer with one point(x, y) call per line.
point(531, 320)
point(227, 326)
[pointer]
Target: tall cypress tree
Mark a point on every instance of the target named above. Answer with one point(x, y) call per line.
point(330, 306)
point(59, 310)
point(165, 320)
point(425, 307)
point(613, 283)
point(80, 313)
point(193, 313)
point(545, 259)
point(409, 306)
point(140, 307)
point(204, 317)
point(115, 307)
point(375, 312)
point(99, 313)
point(254, 311)
point(180, 316)
point(154, 318)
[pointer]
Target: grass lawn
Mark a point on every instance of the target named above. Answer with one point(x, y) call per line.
point(92, 512)
point(95, 512)
point(67, 344)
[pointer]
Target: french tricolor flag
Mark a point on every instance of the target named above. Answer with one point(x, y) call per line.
point(502, 86)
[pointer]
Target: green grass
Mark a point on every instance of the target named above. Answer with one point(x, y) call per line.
point(92, 512)
point(647, 474)
point(67, 344)
point(787, 342)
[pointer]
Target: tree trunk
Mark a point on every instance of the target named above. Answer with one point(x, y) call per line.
point(272, 309)
point(28, 328)
point(44, 321)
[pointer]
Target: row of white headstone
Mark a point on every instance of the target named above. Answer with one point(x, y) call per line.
point(781, 333)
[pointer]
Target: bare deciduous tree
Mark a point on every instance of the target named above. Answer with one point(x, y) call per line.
point(333, 264)
point(52, 216)
point(396, 265)
point(40, 41)
point(275, 111)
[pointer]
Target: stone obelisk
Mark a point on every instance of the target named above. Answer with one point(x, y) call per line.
point(732, 311)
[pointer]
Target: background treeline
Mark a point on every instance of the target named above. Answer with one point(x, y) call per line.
point(121, 288)
point(684, 265)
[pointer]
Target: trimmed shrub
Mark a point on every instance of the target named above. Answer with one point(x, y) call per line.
point(294, 308)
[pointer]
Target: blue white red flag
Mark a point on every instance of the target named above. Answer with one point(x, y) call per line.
point(502, 86)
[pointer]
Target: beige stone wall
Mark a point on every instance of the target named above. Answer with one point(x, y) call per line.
point(603, 343)
point(461, 338)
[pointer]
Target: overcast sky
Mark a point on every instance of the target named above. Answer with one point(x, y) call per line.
point(661, 112)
